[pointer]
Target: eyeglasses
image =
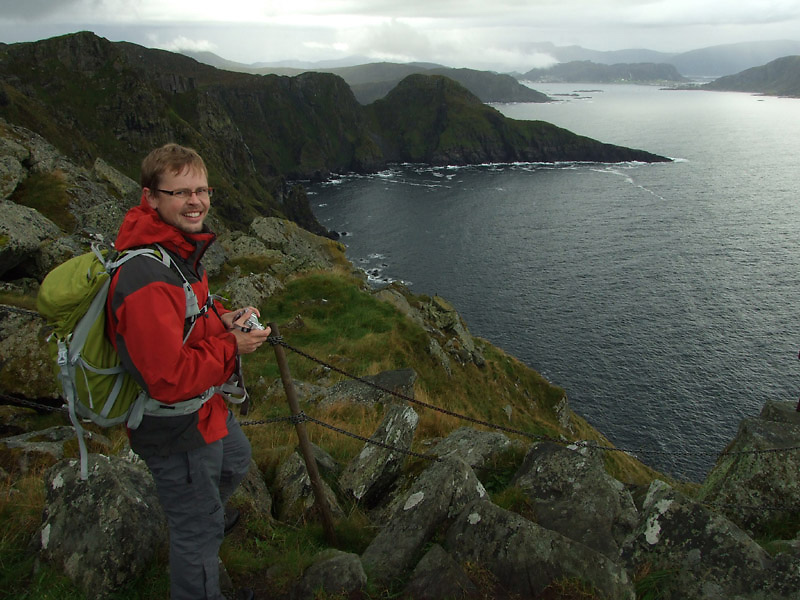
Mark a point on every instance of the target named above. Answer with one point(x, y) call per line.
point(203, 193)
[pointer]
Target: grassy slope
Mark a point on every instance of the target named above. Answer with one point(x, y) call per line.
point(345, 326)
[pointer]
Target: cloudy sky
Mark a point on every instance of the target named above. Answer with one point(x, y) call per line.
point(483, 34)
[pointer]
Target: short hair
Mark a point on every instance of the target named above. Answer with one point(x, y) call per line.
point(169, 157)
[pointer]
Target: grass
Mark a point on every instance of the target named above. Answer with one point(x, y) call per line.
point(47, 193)
point(330, 316)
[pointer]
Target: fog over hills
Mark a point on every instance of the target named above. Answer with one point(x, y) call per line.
point(710, 62)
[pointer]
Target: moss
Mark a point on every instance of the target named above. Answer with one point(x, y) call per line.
point(47, 193)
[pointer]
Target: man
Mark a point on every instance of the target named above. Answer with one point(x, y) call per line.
point(199, 458)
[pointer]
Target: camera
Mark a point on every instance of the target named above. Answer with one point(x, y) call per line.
point(252, 323)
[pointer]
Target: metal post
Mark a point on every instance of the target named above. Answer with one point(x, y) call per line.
point(305, 446)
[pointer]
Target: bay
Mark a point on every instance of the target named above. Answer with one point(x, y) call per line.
point(660, 297)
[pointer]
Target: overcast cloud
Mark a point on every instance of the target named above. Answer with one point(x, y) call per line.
point(480, 34)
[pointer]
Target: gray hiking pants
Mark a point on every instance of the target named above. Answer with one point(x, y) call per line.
point(193, 487)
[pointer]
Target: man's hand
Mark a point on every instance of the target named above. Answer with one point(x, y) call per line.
point(247, 342)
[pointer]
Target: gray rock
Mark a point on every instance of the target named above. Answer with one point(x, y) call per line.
point(740, 483)
point(125, 187)
point(300, 250)
point(476, 448)
point(399, 382)
point(333, 573)
point(525, 558)
point(22, 231)
point(251, 290)
point(27, 369)
point(294, 494)
point(45, 446)
point(369, 476)
point(571, 493)
point(437, 576)
point(781, 412)
point(100, 532)
point(253, 494)
point(11, 173)
point(434, 499)
point(704, 554)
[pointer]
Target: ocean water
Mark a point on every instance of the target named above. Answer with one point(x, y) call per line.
point(662, 298)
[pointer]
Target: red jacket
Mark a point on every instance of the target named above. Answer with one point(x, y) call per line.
point(147, 309)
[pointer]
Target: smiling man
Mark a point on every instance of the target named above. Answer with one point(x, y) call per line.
point(197, 453)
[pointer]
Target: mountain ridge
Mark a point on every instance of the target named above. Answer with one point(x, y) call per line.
point(94, 98)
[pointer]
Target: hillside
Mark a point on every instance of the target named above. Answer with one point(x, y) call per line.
point(372, 81)
point(780, 77)
point(466, 131)
point(93, 98)
point(589, 72)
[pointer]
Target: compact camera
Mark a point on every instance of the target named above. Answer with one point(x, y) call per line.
point(252, 323)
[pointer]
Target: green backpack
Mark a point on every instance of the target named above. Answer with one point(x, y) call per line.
point(72, 298)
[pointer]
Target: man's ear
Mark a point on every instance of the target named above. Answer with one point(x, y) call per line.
point(152, 200)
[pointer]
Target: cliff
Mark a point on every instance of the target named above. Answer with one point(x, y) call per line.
point(92, 99)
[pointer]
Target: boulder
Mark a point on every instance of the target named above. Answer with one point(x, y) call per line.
point(434, 499)
point(11, 173)
point(701, 554)
point(437, 576)
point(525, 559)
point(251, 290)
point(476, 448)
point(26, 368)
point(46, 447)
point(571, 493)
point(749, 476)
point(253, 495)
point(22, 232)
point(294, 494)
point(101, 532)
point(400, 382)
point(369, 476)
point(333, 573)
point(300, 250)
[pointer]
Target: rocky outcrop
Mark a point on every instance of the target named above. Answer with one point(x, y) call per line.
point(100, 532)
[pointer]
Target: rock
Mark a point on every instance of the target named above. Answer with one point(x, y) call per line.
point(400, 382)
point(27, 369)
point(437, 576)
point(739, 484)
point(571, 493)
point(525, 558)
point(476, 448)
point(306, 392)
point(333, 573)
point(251, 290)
point(369, 476)
point(435, 350)
point(125, 187)
point(22, 232)
point(295, 496)
point(45, 447)
point(11, 173)
point(704, 554)
point(435, 498)
point(101, 532)
point(396, 298)
point(300, 250)
point(253, 494)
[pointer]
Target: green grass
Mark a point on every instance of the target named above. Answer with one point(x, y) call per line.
point(331, 316)
point(47, 193)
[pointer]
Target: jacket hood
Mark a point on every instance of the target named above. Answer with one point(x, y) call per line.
point(143, 226)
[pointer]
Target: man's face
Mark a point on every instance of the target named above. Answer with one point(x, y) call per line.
point(188, 213)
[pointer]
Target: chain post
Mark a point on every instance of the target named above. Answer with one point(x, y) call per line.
point(305, 446)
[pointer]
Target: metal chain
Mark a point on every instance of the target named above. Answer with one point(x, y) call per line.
point(278, 340)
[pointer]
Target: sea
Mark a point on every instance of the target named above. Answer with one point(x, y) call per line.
point(664, 298)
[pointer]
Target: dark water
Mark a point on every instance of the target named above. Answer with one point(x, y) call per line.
point(663, 297)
